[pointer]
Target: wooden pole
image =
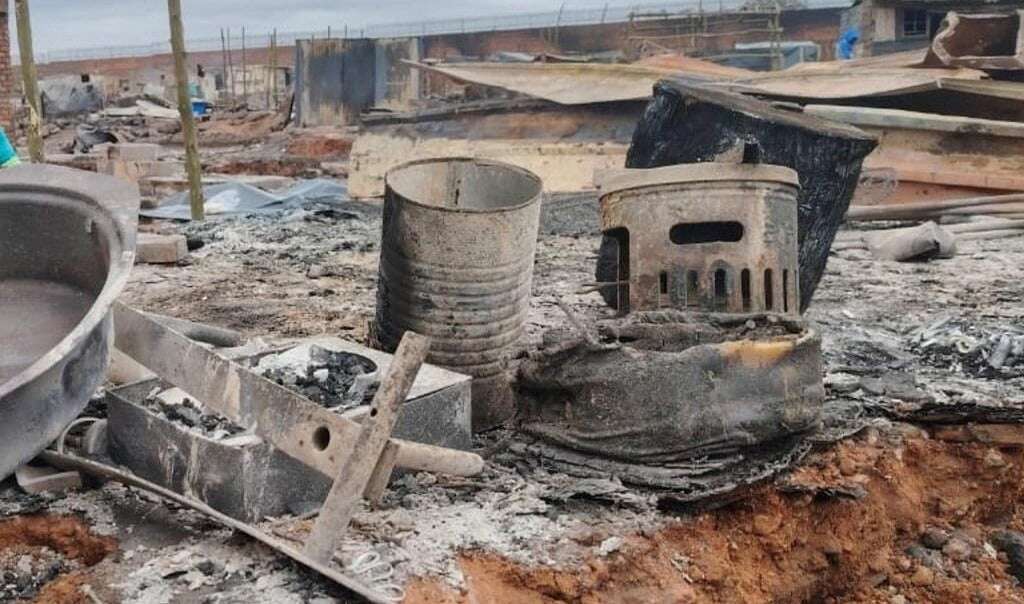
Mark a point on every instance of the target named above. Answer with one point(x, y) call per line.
point(245, 72)
point(926, 208)
point(188, 124)
point(30, 81)
point(231, 68)
point(273, 67)
point(224, 60)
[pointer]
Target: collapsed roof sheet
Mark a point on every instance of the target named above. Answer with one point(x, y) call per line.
point(851, 84)
point(572, 83)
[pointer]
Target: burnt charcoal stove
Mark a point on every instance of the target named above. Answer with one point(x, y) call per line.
point(161, 434)
point(711, 373)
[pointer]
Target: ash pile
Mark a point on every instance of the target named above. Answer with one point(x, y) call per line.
point(337, 380)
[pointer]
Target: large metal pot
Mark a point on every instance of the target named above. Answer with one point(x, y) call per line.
point(457, 265)
point(67, 244)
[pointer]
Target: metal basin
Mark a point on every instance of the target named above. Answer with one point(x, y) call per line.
point(67, 244)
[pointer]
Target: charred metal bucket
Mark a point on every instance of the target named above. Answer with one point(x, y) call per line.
point(456, 264)
point(67, 244)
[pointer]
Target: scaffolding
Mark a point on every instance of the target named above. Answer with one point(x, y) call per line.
point(700, 32)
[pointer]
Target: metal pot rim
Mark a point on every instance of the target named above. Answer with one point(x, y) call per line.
point(98, 194)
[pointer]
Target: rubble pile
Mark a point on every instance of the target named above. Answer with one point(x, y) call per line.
point(617, 331)
point(966, 347)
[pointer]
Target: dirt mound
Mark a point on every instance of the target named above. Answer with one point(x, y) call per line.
point(40, 558)
point(67, 535)
point(810, 546)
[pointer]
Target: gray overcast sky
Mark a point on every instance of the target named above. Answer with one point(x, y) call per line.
point(61, 24)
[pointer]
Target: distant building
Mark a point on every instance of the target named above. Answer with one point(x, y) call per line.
point(887, 26)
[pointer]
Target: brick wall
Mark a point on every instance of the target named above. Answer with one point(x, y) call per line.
point(7, 88)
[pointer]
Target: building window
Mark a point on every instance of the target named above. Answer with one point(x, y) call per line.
point(915, 23)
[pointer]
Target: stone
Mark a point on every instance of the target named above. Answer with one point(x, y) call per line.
point(134, 151)
point(934, 537)
point(922, 576)
point(765, 525)
point(994, 459)
point(152, 248)
point(928, 557)
point(610, 545)
point(957, 549)
point(41, 479)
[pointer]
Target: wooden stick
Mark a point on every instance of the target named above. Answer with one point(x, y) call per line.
point(994, 234)
point(231, 68)
point(224, 59)
point(988, 225)
point(245, 72)
point(81, 464)
point(359, 465)
point(927, 207)
point(273, 68)
point(188, 124)
point(30, 81)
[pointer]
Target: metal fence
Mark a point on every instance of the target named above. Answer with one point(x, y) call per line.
point(609, 13)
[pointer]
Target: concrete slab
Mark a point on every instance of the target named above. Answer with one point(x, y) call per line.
point(134, 152)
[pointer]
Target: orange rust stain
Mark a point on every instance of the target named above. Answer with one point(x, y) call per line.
point(756, 354)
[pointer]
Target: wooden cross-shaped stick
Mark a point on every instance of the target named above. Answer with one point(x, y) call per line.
point(368, 450)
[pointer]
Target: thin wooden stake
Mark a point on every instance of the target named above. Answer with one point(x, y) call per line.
point(273, 67)
point(224, 60)
point(231, 68)
point(188, 124)
point(245, 72)
point(30, 81)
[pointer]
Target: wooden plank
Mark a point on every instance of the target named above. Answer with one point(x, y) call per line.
point(358, 466)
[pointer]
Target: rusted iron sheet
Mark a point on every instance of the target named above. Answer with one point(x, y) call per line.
point(711, 236)
point(566, 83)
point(456, 265)
point(983, 41)
point(67, 244)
